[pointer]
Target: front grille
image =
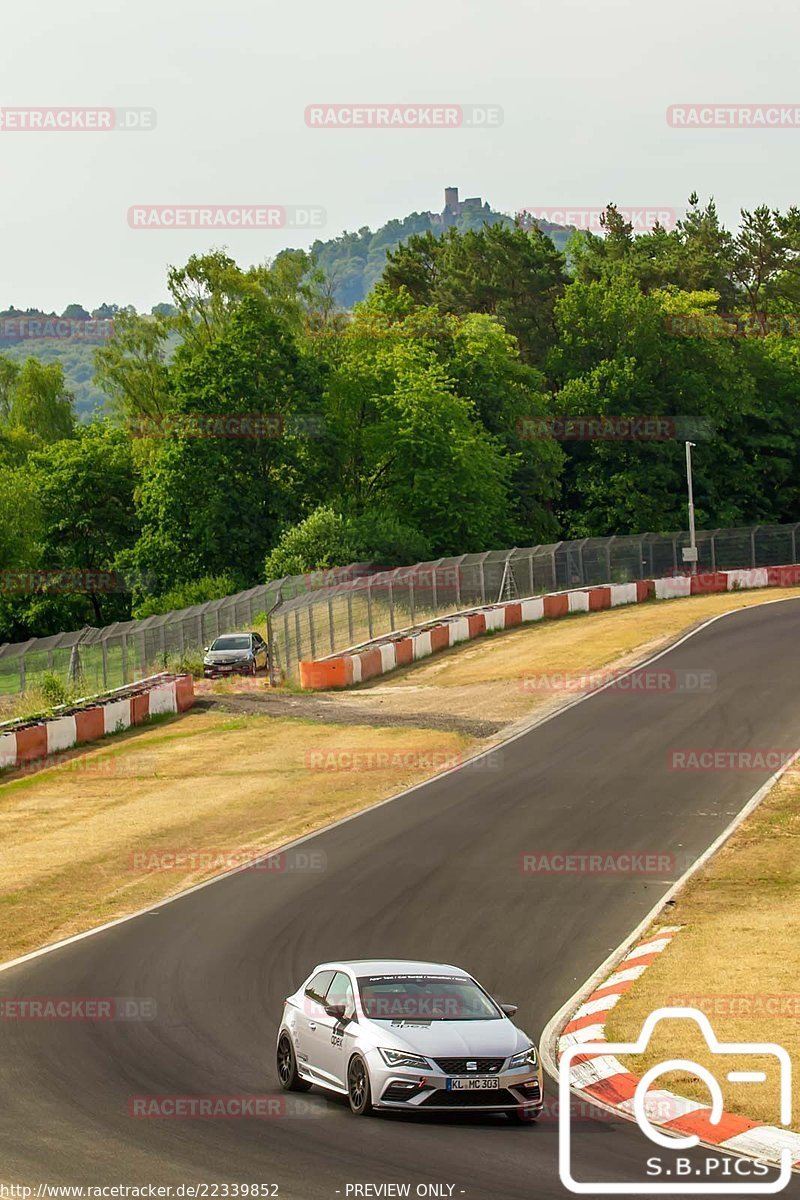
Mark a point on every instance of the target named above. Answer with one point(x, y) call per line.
point(479, 1099)
point(458, 1066)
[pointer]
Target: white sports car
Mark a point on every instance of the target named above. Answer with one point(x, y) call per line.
point(399, 1035)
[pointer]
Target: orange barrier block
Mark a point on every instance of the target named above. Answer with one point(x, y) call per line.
point(184, 692)
point(477, 624)
point(440, 638)
point(31, 743)
point(645, 589)
point(556, 606)
point(371, 664)
point(716, 581)
point(90, 724)
point(599, 597)
point(513, 615)
point(140, 708)
point(328, 673)
point(404, 651)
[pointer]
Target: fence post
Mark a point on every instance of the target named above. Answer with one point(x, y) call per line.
point(390, 591)
point(369, 606)
point(483, 583)
point(674, 556)
point(712, 540)
point(311, 631)
point(351, 637)
point(331, 624)
point(411, 599)
point(794, 543)
point(22, 671)
point(753, 532)
point(286, 639)
point(104, 652)
point(124, 658)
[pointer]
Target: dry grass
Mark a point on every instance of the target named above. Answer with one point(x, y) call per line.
point(737, 957)
point(203, 782)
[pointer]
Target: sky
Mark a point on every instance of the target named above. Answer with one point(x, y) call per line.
point(574, 95)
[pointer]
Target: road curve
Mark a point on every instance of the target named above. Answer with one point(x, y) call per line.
point(433, 874)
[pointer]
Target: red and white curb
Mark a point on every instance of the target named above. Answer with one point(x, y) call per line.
point(603, 1079)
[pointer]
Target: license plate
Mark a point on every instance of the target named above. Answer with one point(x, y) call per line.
point(482, 1083)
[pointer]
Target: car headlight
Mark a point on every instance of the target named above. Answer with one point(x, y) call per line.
point(527, 1058)
point(399, 1058)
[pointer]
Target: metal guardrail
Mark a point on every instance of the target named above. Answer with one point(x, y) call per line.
point(310, 616)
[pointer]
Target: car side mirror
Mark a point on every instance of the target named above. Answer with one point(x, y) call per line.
point(205, 649)
point(336, 1010)
point(509, 1009)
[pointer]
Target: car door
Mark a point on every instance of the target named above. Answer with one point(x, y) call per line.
point(337, 1035)
point(307, 1043)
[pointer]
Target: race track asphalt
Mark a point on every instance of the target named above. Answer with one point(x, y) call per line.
point(434, 874)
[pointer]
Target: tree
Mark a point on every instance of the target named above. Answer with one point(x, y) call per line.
point(38, 401)
point(230, 465)
point(514, 274)
point(327, 538)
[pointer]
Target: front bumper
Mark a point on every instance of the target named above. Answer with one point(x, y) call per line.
point(220, 670)
point(427, 1091)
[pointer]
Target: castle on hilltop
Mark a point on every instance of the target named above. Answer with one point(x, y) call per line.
point(454, 208)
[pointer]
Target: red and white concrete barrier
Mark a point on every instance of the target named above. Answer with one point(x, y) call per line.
point(399, 649)
point(25, 742)
point(604, 1079)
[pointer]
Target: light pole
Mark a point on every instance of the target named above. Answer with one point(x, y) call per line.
point(691, 557)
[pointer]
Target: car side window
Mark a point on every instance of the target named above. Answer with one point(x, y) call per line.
point(341, 992)
point(318, 986)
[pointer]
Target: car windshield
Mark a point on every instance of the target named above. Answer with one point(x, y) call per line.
point(425, 998)
point(233, 642)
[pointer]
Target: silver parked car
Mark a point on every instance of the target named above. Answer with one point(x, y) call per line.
point(235, 654)
point(399, 1035)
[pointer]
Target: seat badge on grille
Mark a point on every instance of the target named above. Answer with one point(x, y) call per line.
point(472, 1066)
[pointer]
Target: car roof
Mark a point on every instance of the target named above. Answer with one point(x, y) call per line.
point(391, 966)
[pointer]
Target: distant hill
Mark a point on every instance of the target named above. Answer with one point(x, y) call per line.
point(353, 261)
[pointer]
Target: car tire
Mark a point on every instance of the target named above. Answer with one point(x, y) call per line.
point(291, 1080)
point(359, 1092)
point(524, 1116)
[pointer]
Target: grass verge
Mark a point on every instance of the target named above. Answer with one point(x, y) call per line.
point(737, 959)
